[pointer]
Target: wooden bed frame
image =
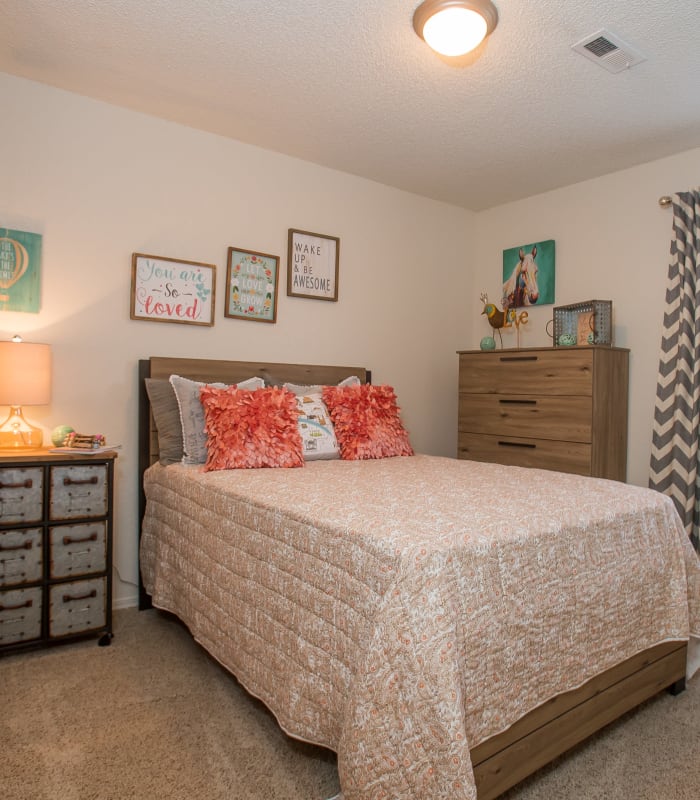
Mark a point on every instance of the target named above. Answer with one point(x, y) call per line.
point(547, 732)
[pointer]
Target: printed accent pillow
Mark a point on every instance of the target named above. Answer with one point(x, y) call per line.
point(367, 423)
point(194, 439)
point(250, 430)
point(316, 428)
point(166, 415)
point(316, 388)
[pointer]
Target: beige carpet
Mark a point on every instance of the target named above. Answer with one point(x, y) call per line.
point(154, 717)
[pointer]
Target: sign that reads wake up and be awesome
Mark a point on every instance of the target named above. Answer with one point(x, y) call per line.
point(313, 263)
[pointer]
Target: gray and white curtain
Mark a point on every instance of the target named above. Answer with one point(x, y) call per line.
point(676, 437)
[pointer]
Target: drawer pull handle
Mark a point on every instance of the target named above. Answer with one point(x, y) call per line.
point(517, 402)
point(75, 482)
point(25, 546)
point(77, 539)
point(26, 604)
point(21, 485)
point(67, 598)
point(517, 444)
point(519, 358)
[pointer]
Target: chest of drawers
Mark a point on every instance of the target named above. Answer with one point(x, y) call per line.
point(563, 409)
point(55, 548)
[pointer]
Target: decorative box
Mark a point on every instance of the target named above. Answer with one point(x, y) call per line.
point(585, 323)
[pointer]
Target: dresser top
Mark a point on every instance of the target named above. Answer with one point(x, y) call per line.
point(44, 454)
point(547, 349)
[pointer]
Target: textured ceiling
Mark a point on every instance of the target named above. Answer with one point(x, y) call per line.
point(348, 84)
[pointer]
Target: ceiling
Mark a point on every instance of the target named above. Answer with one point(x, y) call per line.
point(348, 84)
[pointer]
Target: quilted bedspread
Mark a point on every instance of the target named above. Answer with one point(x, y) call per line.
point(401, 611)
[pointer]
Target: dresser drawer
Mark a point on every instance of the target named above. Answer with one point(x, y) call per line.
point(20, 615)
point(20, 556)
point(550, 372)
point(78, 549)
point(78, 491)
point(21, 494)
point(574, 457)
point(76, 607)
point(538, 417)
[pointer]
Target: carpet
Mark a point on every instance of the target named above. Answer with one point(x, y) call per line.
point(153, 716)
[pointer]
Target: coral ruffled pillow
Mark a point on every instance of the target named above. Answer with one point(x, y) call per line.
point(248, 430)
point(367, 423)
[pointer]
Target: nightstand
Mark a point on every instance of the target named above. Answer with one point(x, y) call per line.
point(56, 514)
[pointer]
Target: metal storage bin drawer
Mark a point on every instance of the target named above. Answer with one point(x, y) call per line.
point(78, 491)
point(20, 615)
point(20, 556)
point(21, 494)
point(78, 549)
point(76, 607)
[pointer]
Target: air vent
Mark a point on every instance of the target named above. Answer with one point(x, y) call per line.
point(609, 51)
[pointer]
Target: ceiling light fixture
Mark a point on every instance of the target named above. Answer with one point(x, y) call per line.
point(454, 27)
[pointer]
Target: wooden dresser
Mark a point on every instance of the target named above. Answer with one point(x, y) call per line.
point(553, 408)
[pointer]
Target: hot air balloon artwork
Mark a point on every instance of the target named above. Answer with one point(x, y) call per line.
point(20, 270)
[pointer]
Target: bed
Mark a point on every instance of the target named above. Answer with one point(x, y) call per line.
point(446, 627)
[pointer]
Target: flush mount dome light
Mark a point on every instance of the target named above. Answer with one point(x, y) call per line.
point(454, 27)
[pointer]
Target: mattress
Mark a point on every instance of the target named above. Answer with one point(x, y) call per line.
point(403, 610)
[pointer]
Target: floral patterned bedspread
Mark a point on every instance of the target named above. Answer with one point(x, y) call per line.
point(401, 611)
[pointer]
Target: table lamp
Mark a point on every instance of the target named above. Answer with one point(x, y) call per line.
point(25, 380)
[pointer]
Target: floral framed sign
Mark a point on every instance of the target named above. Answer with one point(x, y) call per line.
point(172, 290)
point(251, 285)
point(312, 265)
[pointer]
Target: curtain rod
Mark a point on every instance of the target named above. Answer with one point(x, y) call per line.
point(665, 201)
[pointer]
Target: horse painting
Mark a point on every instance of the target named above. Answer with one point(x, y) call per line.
point(521, 287)
point(528, 275)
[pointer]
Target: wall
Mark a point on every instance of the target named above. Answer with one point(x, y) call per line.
point(100, 183)
point(612, 243)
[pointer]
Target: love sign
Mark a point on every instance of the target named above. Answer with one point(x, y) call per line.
point(172, 290)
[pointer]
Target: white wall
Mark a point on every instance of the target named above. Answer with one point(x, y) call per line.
point(612, 243)
point(100, 183)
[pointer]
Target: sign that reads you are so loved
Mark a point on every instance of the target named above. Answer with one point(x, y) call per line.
point(172, 290)
point(312, 265)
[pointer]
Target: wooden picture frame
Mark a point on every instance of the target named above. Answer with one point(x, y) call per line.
point(312, 265)
point(251, 285)
point(172, 290)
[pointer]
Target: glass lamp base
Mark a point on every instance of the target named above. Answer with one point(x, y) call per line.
point(17, 434)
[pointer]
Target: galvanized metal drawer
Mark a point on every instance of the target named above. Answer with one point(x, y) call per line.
point(20, 556)
point(78, 491)
point(21, 494)
point(77, 607)
point(77, 549)
point(20, 615)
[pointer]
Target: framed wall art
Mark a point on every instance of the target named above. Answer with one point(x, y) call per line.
point(172, 290)
point(312, 265)
point(20, 271)
point(528, 275)
point(251, 285)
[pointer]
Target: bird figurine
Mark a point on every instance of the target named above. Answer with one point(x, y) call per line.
point(496, 318)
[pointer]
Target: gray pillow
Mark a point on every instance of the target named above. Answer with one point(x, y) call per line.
point(194, 439)
point(166, 414)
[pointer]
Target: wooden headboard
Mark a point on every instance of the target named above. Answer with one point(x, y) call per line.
point(213, 371)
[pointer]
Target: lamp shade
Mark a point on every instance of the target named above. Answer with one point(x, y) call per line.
point(25, 374)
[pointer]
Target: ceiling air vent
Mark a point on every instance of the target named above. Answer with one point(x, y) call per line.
point(609, 51)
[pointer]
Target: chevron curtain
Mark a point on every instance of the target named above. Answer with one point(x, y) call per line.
point(676, 435)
